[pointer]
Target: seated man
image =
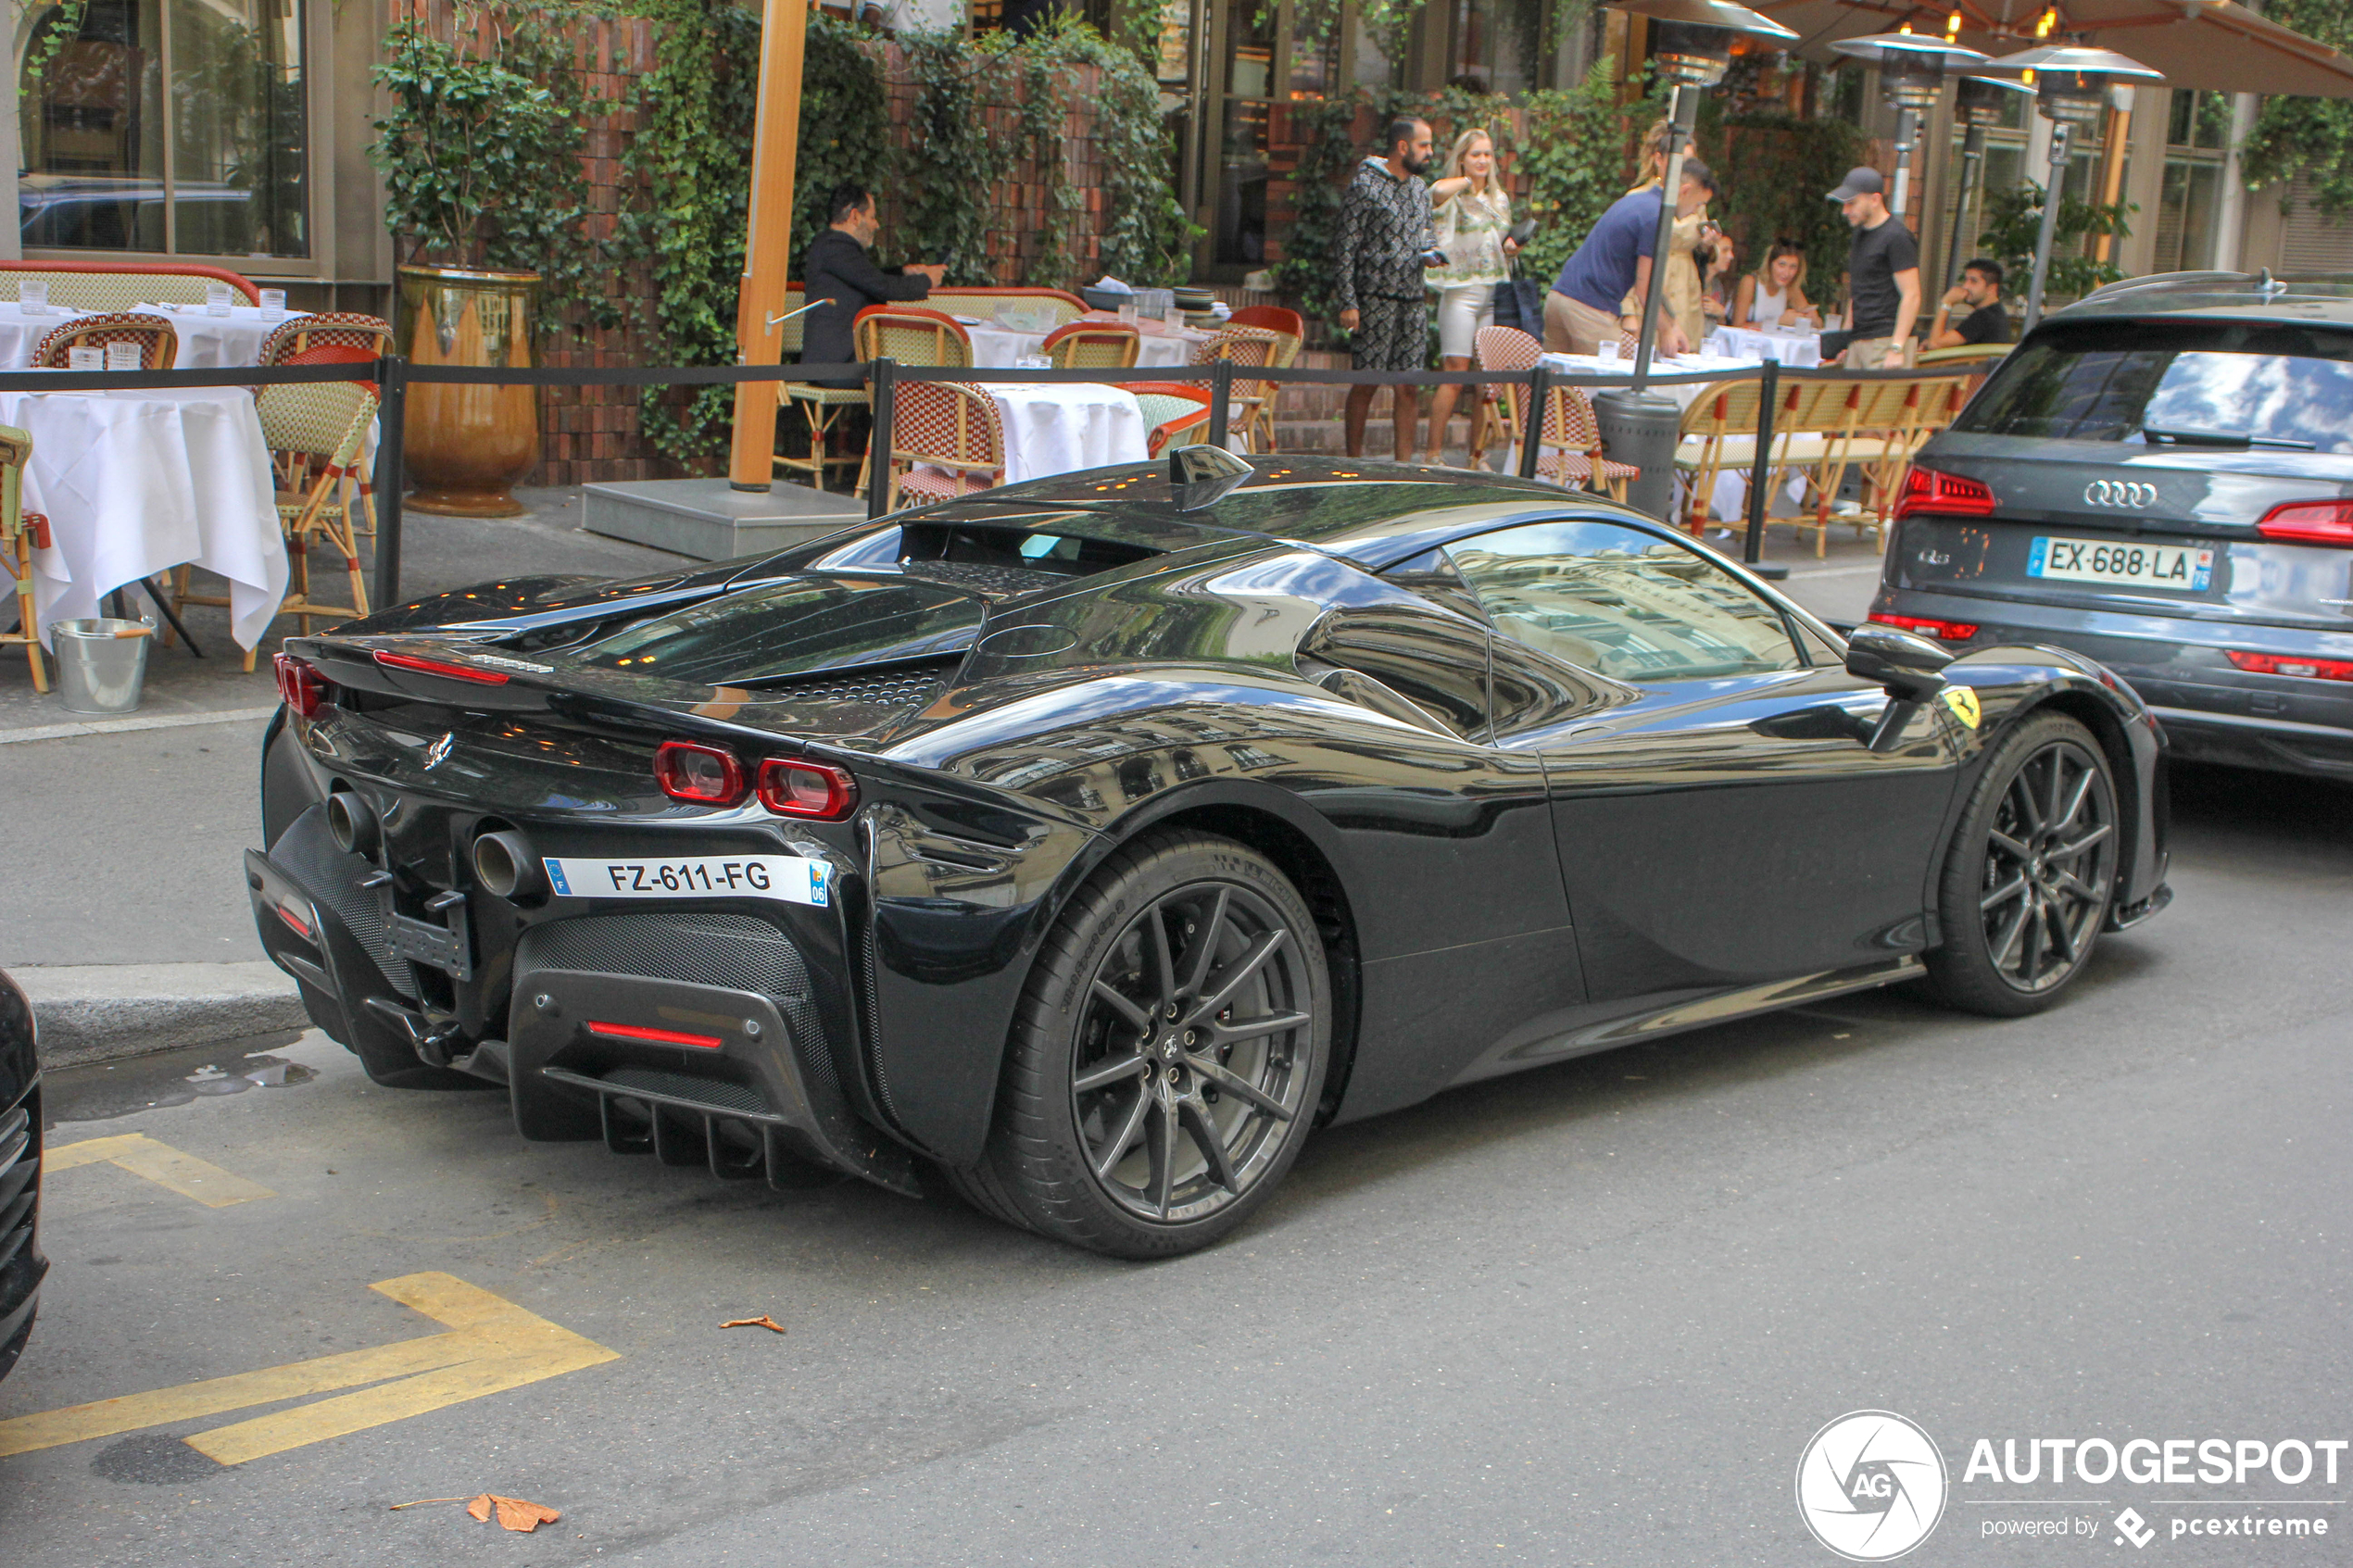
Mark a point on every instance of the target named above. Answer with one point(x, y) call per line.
point(1980, 290)
point(839, 273)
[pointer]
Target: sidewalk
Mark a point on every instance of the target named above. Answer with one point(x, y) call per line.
point(124, 917)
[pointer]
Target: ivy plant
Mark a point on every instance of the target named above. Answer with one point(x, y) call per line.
point(2307, 136)
point(2014, 220)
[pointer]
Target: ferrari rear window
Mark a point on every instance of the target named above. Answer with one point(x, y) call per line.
point(2185, 383)
point(794, 628)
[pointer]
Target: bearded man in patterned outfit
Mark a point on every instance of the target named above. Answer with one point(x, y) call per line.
point(1377, 263)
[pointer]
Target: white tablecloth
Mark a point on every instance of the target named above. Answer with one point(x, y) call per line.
point(1052, 430)
point(997, 345)
point(1801, 349)
point(1684, 392)
point(220, 342)
point(20, 335)
point(134, 483)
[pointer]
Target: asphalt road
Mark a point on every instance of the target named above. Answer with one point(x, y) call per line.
point(1588, 1315)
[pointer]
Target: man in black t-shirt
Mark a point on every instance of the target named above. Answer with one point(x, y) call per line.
point(1882, 275)
point(1980, 290)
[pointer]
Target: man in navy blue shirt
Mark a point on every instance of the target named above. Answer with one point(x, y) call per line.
point(1581, 313)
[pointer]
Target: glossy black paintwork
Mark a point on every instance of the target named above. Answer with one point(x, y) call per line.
point(1531, 852)
point(22, 1268)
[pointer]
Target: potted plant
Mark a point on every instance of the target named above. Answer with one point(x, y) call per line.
point(481, 157)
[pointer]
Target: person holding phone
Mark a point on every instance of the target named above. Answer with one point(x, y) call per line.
point(1380, 249)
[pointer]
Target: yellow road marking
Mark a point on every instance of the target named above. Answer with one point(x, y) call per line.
point(492, 1346)
point(160, 1163)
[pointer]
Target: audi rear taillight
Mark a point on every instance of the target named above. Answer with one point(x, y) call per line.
point(708, 775)
point(300, 686)
point(2309, 522)
point(793, 788)
point(440, 666)
point(1924, 626)
point(1944, 495)
point(2291, 664)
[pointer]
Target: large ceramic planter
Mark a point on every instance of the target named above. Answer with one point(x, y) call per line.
point(466, 447)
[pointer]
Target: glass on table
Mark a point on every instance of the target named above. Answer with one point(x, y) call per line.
point(273, 303)
point(124, 357)
point(85, 358)
point(33, 295)
point(217, 298)
point(1128, 314)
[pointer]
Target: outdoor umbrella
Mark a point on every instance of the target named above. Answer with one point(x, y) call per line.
point(2207, 45)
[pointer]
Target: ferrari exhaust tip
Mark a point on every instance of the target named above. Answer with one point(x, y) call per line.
point(505, 865)
point(351, 821)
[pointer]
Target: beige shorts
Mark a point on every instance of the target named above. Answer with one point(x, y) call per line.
point(1871, 354)
point(1573, 327)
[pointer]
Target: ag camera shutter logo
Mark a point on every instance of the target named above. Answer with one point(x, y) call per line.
point(1870, 1486)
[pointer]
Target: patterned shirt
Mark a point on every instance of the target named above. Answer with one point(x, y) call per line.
point(1384, 227)
point(1471, 227)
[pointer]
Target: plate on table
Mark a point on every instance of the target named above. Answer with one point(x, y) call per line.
point(966, 321)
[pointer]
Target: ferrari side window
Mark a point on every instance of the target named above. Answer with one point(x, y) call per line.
point(1623, 602)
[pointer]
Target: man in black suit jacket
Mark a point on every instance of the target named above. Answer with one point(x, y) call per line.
point(839, 271)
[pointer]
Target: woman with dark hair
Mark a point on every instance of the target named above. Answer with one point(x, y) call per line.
point(1775, 293)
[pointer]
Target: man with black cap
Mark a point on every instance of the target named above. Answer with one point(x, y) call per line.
point(1882, 275)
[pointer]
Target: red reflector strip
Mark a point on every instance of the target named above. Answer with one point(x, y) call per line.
point(2290, 664)
point(301, 927)
point(655, 1037)
point(1921, 626)
point(438, 667)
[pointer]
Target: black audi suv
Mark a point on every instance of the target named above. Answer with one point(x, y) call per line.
point(2160, 477)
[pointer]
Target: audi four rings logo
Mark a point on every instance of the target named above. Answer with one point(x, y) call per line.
point(2120, 492)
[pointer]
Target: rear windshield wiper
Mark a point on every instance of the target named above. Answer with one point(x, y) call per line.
point(2239, 439)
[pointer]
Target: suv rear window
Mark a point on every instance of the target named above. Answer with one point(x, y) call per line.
point(2163, 382)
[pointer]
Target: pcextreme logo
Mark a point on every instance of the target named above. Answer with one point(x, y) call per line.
point(1870, 1486)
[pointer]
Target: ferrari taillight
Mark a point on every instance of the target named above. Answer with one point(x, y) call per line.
point(1944, 495)
point(708, 775)
point(2309, 522)
point(794, 788)
point(441, 667)
point(300, 686)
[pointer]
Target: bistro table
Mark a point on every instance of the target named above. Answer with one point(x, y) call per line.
point(1052, 430)
point(21, 333)
point(1728, 496)
point(208, 342)
point(1158, 346)
point(136, 482)
point(1800, 349)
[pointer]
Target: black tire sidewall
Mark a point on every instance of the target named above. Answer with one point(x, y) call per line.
point(1962, 970)
point(1035, 1160)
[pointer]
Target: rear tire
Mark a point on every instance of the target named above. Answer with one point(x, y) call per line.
point(1147, 1106)
point(2029, 874)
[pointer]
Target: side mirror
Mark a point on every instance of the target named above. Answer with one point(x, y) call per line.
point(1910, 668)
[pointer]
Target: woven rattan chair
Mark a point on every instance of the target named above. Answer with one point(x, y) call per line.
point(158, 343)
point(821, 406)
point(1172, 409)
point(1094, 345)
point(326, 423)
point(1501, 348)
point(1570, 445)
point(912, 335)
point(951, 428)
point(1254, 347)
point(332, 337)
point(21, 532)
point(1291, 335)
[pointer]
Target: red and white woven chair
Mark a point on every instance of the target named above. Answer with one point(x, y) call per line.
point(1572, 442)
point(947, 440)
point(1094, 345)
point(1173, 411)
point(912, 334)
point(158, 343)
point(1501, 348)
point(330, 337)
point(1254, 347)
point(21, 532)
point(1290, 333)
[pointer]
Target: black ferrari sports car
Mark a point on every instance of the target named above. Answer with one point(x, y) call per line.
point(1079, 845)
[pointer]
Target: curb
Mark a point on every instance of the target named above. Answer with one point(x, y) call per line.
point(101, 1012)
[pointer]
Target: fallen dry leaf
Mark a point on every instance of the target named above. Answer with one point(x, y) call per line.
point(513, 1512)
point(762, 1320)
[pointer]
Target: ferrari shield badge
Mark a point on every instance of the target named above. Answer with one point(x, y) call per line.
point(1962, 700)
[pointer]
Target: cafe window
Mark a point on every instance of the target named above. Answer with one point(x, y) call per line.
point(2197, 128)
point(172, 127)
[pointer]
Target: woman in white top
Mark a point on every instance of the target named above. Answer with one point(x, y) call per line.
point(1775, 293)
point(1471, 214)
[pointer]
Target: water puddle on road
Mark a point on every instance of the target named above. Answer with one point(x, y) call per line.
point(100, 1090)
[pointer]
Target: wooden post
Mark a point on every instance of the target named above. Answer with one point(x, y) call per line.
point(2112, 153)
point(768, 239)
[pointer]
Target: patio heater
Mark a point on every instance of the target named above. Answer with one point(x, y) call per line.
point(1978, 102)
point(2070, 83)
point(1692, 46)
point(1911, 76)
